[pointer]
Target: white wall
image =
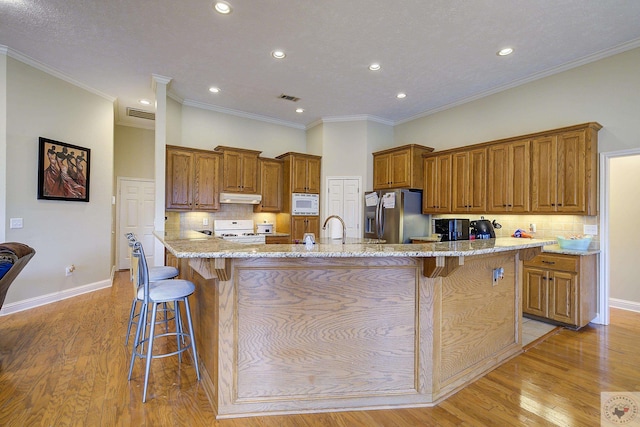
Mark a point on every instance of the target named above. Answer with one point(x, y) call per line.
point(62, 233)
point(133, 152)
point(3, 147)
point(624, 199)
point(207, 129)
point(379, 137)
point(606, 91)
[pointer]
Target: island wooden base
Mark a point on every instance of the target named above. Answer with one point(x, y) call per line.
point(297, 335)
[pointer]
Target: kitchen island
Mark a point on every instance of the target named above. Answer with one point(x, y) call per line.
point(293, 328)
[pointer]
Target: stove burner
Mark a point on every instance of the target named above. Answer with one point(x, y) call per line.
point(228, 235)
point(249, 234)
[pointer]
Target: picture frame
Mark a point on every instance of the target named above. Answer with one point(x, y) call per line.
point(63, 171)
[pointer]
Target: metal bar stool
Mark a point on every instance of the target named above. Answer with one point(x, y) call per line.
point(175, 291)
point(155, 274)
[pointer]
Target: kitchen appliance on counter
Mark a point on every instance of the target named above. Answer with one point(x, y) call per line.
point(305, 204)
point(264, 228)
point(394, 216)
point(451, 229)
point(484, 229)
point(237, 230)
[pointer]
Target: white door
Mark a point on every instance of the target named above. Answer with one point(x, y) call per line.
point(343, 199)
point(136, 204)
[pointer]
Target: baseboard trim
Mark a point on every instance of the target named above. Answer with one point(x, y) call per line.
point(27, 304)
point(624, 304)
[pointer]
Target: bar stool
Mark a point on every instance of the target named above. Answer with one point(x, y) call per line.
point(174, 291)
point(155, 274)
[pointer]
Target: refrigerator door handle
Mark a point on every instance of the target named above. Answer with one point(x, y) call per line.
point(380, 219)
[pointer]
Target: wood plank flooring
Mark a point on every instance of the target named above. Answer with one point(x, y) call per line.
point(65, 364)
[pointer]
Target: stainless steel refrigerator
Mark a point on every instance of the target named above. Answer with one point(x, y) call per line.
point(395, 216)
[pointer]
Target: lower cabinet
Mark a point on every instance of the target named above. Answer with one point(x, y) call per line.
point(561, 288)
point(304, 224)
point(272, 240)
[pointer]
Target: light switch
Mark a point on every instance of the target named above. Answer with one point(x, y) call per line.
point(590, 229)
point(15, 223)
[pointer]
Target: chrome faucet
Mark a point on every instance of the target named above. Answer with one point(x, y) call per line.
point(344, 227)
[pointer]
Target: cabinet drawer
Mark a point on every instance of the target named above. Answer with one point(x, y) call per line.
point(555, 262)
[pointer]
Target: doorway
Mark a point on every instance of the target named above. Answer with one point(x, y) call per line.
point(619, 207)
point(134, 214)
point(344, 199)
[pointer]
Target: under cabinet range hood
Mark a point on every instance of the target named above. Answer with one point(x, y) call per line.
point(240, 198)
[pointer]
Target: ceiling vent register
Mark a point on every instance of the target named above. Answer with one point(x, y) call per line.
point(289, 98)
point(141, 114)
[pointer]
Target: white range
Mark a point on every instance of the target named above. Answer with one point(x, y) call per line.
point(237, 230)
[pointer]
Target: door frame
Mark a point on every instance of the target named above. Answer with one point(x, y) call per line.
point(325, 195)
point(116, 201)
point(604, 262)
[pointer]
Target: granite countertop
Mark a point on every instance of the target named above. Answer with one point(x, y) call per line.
point(556, 249)
point(192, 244)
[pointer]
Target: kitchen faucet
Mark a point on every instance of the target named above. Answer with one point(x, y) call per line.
point(344, 227)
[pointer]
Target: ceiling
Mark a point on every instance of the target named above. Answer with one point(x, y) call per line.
point(439, 52)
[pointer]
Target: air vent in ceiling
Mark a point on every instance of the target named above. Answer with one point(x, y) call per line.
point(289, 98)
point(141, 114)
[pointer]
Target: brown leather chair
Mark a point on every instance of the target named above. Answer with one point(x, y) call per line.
point(21, 254)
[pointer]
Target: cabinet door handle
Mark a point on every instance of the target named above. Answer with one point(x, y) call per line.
point(548, 262)
point(559, 204)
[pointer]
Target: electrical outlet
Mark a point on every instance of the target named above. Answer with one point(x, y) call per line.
point(205, 221)
point(15, 223)
point(590, 229)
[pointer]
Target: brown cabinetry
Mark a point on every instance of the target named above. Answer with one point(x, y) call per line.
point(564, 171)
point(469, 181)
point(240, 170)
point(270, 183)
point(560, 288)
point(304, 173)
point(192, 179)
point(400, 167)
point(301, 174)
point(304, 224)
point(272, 240)
point(436, 196)
point(508, 187)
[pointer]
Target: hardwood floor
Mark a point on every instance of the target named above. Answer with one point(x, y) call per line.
point(66, 364)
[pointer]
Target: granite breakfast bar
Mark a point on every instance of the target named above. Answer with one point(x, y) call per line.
point(287, 329)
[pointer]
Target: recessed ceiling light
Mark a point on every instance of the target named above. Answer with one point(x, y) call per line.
point(299, 110)
point(506, 51)
point(145, 102)
point(222, 7)
point(374, 67)
point(214, 89)
point(401, 95)
point(278, 54)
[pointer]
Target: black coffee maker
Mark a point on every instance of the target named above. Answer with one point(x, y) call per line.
point(451, 229)
point(484, 229)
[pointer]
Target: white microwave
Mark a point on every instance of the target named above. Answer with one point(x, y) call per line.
point(305, 204)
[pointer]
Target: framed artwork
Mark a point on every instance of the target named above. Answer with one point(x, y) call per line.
point(63, 171)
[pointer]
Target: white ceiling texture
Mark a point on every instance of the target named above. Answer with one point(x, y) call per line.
point(439, 52)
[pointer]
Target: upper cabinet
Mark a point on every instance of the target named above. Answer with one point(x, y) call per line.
point(508, 186)
point(399, 167)
point(240, 170)
point(192, 179)
point(270, 183)
point(436, 195)
point(469, 181)
point(301, 173)
point(564, 174)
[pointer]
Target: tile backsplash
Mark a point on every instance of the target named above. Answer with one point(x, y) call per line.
point(547, 226)
point(195, 220)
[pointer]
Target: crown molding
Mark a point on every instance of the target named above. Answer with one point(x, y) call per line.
point(157, 79)
point(52, 71)
point(356, 118)
point(565, 67)
point(202, 105)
